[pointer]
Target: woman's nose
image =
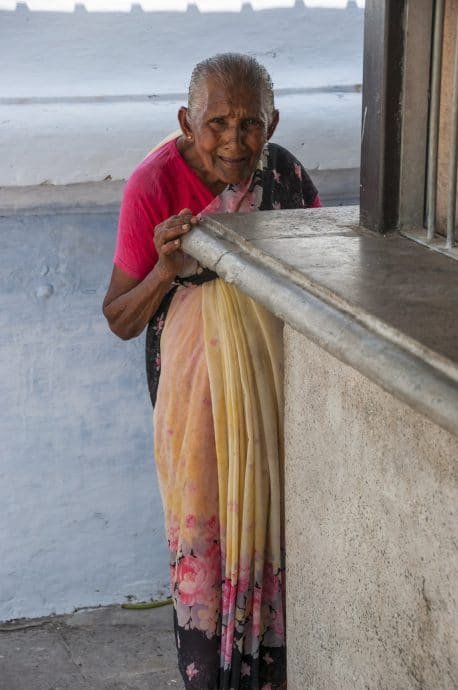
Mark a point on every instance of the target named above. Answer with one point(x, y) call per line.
point(234, 134)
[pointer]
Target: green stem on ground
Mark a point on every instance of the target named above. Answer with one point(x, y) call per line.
point(147, 604)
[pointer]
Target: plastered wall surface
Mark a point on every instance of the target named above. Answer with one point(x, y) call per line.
point(85, 95)
point(81, 513)
point(371, 496)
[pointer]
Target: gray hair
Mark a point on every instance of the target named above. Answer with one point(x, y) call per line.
point(231, 70)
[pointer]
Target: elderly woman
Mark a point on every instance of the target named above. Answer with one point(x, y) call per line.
point(218, 411)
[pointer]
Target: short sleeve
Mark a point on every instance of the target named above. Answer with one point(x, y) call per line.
point(152, 195)
point(135, 252)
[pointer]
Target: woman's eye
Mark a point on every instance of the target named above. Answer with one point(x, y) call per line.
point(217, 121)
point(252, 122)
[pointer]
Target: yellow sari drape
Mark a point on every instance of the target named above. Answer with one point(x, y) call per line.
point(243, 349)
point(219, 453)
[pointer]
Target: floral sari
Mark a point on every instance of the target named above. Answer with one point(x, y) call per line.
point(219, 454)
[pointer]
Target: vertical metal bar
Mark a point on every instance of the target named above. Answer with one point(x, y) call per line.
point(415, 111)
point(382, 114)
point(452, 175)
point(433, 134)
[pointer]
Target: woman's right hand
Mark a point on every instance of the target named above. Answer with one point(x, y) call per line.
point(167, 240)
point(129, 303)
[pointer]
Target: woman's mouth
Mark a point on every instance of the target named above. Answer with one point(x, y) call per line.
point(232, 162)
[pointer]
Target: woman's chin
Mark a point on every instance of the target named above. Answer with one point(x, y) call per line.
point(234, 177)
point(220, 177)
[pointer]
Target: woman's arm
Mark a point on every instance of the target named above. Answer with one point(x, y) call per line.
point(130, 303)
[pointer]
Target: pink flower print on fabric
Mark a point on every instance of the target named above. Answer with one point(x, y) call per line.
point(229, 596)
point(244, 579)
point(234, 199)
point(212, 523)
point(194, 580)
point(191, 521)
point(227, 642)
point(208, 620)
point(257, 597)
point(191, 671)
point(159, 325)
point(184, 615)
point(277, 176)
point(245, 669)
point(279, 624)
point(271, 585)
point(213, 557)
point(173, 536)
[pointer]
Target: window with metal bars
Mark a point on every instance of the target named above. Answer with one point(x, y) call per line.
point(409, 142)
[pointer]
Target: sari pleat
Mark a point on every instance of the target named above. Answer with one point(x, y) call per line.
point(244, 353)
point(218, 442)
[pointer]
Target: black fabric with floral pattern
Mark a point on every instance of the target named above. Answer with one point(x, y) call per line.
point(285, 184)
point(156, 326)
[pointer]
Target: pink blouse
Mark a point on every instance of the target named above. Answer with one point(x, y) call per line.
point(161, 186)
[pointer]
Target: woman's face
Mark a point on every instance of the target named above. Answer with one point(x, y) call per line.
point(229, 130)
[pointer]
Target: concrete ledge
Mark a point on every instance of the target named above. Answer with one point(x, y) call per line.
point(336, 187)
point(92, 196)
point(424, 378)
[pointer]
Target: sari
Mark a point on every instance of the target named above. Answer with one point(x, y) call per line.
point(218, 441)
point(218, 423)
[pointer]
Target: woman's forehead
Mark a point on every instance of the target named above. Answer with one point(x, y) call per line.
point(215, 95)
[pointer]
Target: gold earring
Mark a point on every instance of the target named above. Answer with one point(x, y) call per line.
point(190, 137)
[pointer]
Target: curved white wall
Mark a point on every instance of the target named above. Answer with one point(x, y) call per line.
point(82, 522)
point(82, 518)
point(87, 94)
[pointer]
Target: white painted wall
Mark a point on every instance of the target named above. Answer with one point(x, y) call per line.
point(75, 88)
point(81, 514)
point(82, 523)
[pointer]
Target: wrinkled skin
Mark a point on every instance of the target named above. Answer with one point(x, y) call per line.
point(222, 141)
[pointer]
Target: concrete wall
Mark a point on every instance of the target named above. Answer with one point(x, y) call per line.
point(81, 514)
point(371, 496)
point(82, 522)
point(82, 519)
point(84, 96)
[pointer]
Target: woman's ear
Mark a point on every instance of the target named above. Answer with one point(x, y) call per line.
point(273, 124)
point(183, 119)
